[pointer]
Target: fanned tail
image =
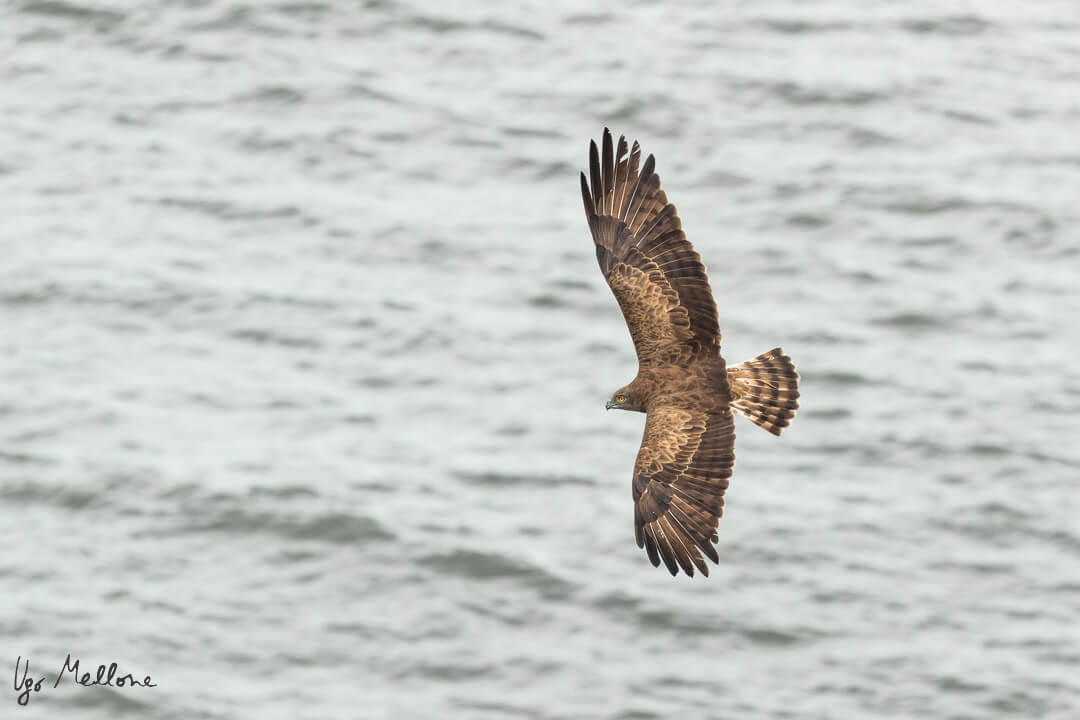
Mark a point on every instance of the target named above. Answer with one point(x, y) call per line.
point(766, 390)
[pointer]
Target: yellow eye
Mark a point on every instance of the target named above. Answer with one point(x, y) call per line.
point(621, 398)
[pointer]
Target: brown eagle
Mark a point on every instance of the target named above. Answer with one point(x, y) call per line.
point(683, 385)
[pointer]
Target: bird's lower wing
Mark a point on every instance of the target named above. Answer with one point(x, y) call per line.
point(680, 476)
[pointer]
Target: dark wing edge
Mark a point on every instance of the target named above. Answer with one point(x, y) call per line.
point(681, 474)
point(632, 222)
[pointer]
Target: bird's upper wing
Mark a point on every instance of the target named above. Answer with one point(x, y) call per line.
point(656, 275)
point(680, 476)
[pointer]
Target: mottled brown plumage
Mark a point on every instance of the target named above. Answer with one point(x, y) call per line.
point(683, 384)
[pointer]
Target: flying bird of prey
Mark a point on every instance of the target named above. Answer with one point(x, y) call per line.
point(683, 384)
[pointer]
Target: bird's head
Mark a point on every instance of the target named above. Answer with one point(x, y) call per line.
point(624, 399)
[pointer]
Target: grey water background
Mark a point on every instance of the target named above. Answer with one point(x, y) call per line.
point(304, 355)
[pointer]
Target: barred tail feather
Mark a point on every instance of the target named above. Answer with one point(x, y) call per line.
point(766, 390)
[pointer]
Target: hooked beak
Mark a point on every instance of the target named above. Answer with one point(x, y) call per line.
point(610, 404)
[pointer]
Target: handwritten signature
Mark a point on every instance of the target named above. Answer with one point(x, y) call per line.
point(105, 676)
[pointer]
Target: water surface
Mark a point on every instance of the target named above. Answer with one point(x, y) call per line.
point(305, 355)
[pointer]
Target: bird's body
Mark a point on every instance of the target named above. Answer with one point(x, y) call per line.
point(683, 383)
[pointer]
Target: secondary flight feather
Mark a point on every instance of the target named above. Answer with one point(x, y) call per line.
point(683, 384)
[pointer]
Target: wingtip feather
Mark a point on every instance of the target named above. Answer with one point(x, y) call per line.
point(608, 170)
point(594, 173)
point(587, 198)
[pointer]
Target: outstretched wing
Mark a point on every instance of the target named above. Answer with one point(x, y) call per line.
point(681, 474)
point(656, 275)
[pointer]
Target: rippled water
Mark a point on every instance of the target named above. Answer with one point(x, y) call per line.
point(305, 355)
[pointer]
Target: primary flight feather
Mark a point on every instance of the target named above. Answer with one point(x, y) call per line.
point(683, 384)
